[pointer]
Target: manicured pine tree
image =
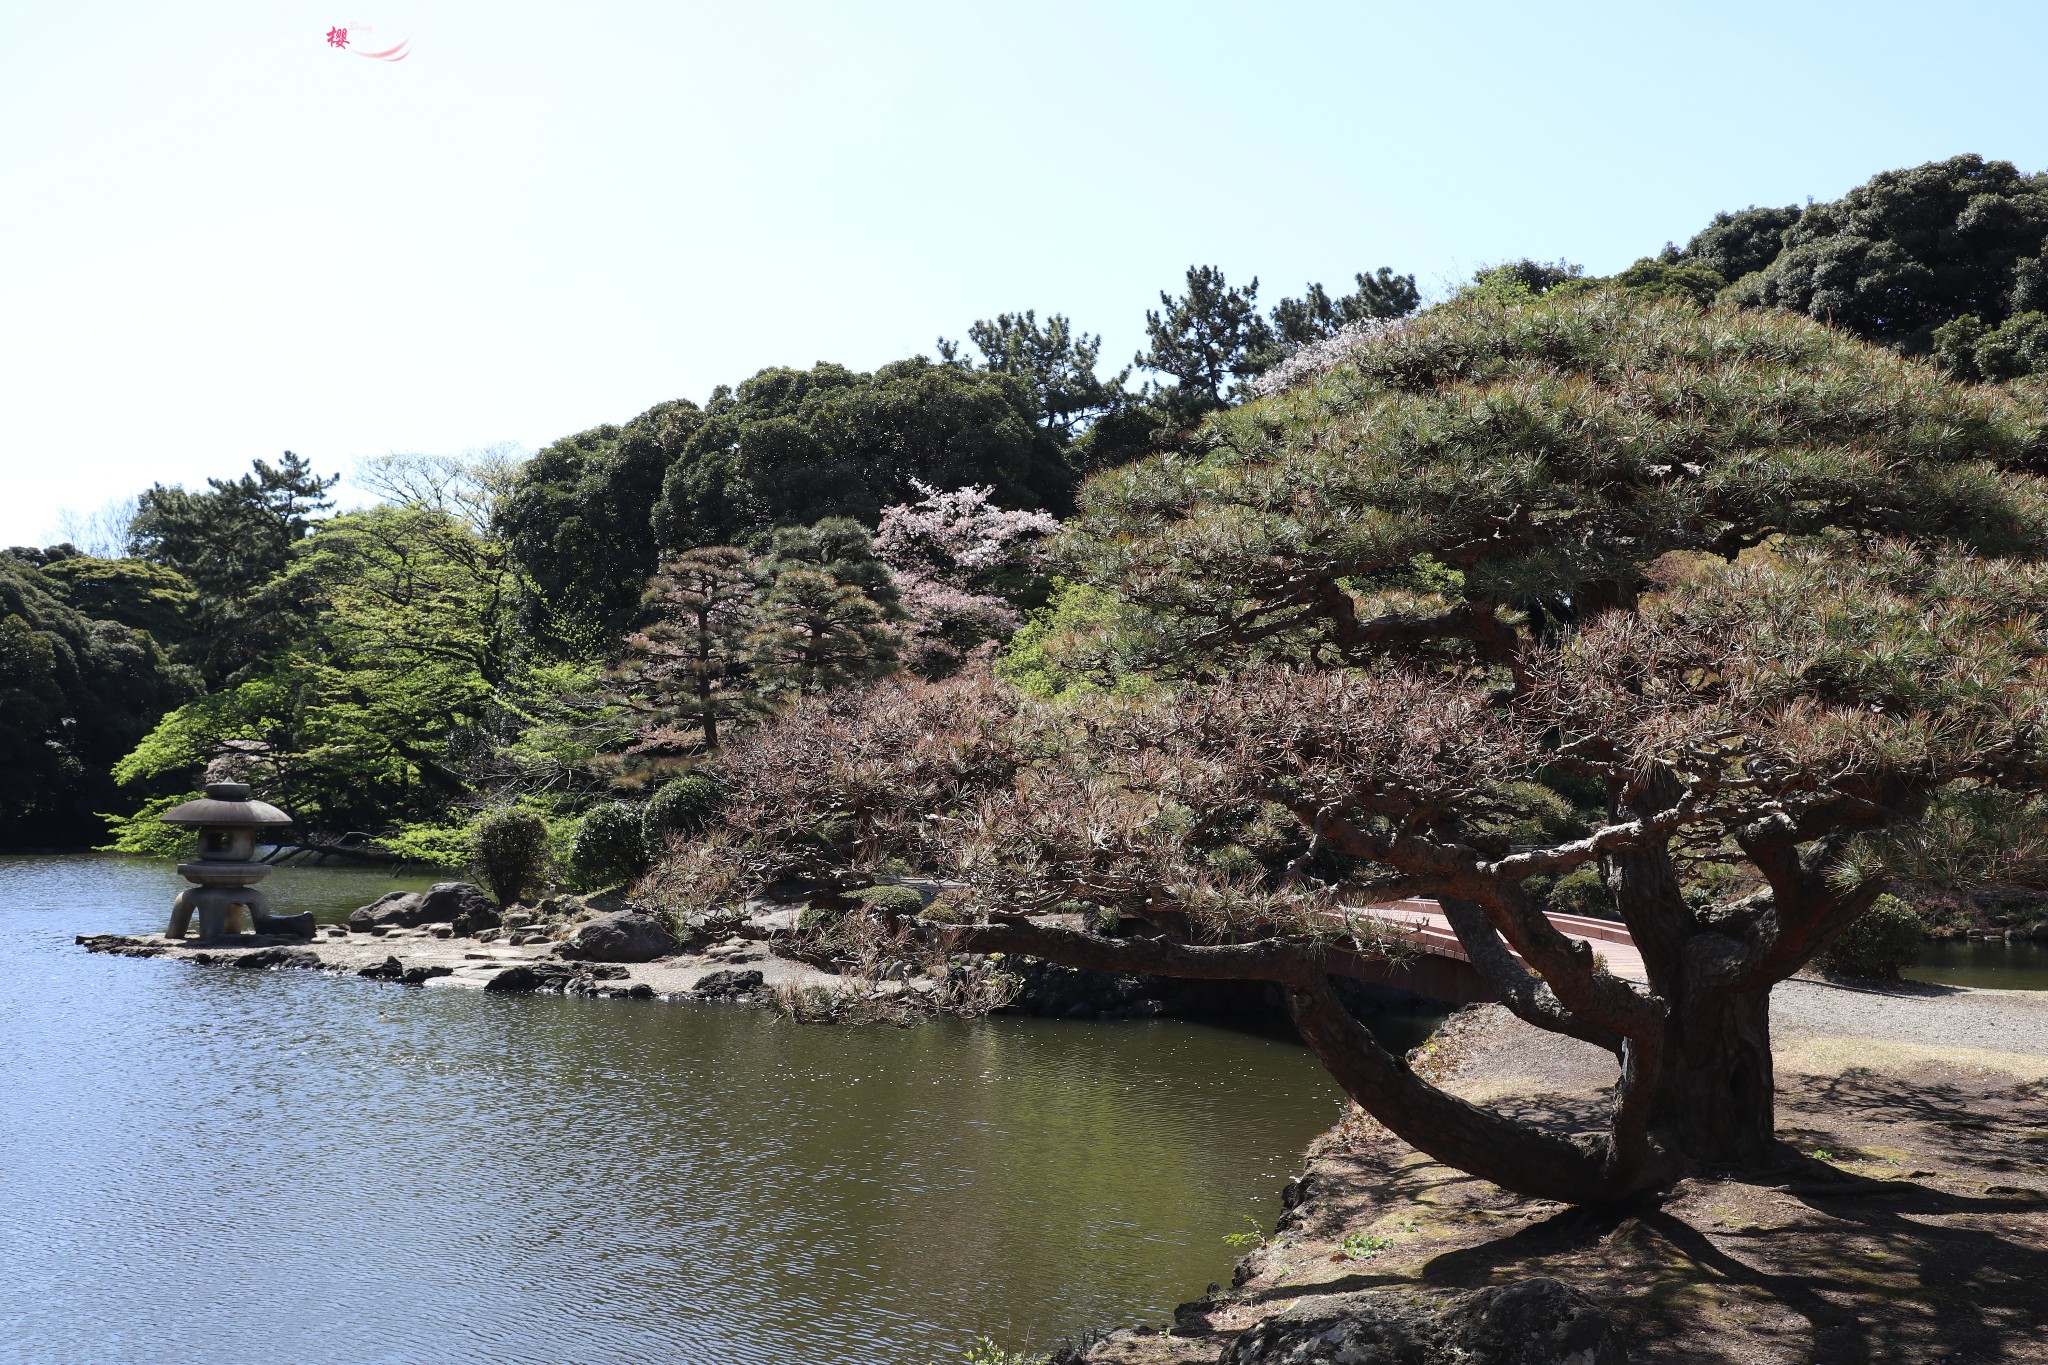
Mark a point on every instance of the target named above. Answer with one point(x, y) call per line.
point(686, 666)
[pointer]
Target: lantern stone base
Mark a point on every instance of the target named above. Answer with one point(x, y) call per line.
point(223, 910)
point(228, 905)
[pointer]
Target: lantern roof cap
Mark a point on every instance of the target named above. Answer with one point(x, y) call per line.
point(226, 805)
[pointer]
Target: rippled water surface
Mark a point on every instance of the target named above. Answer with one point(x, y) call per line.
point(198, 1164)
point(1986, 965)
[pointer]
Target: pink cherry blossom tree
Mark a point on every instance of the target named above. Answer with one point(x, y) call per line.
point(958, 560)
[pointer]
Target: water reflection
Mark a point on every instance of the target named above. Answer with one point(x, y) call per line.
point(1985, 964)
point(199, 1164)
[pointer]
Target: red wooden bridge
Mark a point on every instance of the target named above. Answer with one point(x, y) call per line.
point(1443, 970)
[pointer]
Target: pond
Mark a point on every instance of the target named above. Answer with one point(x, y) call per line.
point(1987, 964)
point(271, 1166)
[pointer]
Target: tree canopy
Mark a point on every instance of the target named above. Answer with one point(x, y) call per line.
point(1737, 244)
point(227, 542)
point(1055, 360)
point(1910, 249)
point(1770, 588)
point(578, 516)
point(75, 694)
point(791, 446)
point(590, 515)
point(407, 691)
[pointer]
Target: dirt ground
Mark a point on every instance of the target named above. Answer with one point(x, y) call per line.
point(1909, 1222)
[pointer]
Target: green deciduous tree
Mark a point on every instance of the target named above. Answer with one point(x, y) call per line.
point(1907, 251)
point(410, 692)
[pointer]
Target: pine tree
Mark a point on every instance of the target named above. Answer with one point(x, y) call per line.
point(816, 633)
point(685, 667)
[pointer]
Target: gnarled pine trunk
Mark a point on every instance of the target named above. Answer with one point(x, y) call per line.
point(1715, 1099)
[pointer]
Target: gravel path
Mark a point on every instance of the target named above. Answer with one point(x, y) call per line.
point(1498, 1055)
point(1937, 1016)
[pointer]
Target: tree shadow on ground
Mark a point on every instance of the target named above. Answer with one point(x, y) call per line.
point(1856, 1269)
point(1923, 1236)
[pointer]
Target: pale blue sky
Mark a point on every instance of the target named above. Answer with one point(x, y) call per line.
point(220, 238)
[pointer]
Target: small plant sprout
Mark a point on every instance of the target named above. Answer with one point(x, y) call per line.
point(1363, 1246)
point(1253, 1239)
point(984, 1351)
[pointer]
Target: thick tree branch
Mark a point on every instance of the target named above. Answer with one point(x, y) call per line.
point(1452, 1130)
point(1530, 999)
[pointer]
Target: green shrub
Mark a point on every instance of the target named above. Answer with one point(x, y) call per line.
point(1884, 939)
point(1096, 919)
point(512, 853)
point(452, 845)
point(1581, 892)
point(1711, 883)
point(682, 806)
point(1235, 860)
point(891, 900)
point(609, 848)
point(985, 1352)
point(948, 907)
point(814, 919)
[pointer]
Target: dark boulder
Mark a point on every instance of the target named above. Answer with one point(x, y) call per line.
point(285, 926)
point(1533, 1322)
point(390, 969)
point(461, 904)
point(278, 957)
point(457, 903)
point(727, 985)
point(420, 976)
point(394, 910)
point(534, 976)
point(622, 936)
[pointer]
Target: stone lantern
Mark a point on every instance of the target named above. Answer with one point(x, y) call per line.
point(225, 876)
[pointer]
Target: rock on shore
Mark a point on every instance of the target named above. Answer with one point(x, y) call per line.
point(621, 936)
point(444, 903)
point(1535, 1322)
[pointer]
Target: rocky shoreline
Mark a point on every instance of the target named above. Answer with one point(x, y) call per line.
point(452, 938)
point(523, 950)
